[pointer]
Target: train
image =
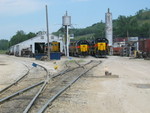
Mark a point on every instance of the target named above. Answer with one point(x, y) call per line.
point(144, 47)
point(99, 47)
point(139, 48)
point(54, 46)
point(79, 48)
point(118, 48)
point(83, 48)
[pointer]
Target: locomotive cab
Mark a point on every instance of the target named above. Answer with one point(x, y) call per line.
point(83, 47)
point(101, 47)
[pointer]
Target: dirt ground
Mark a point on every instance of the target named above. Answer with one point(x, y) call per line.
point(10, 70)
point(127, 90)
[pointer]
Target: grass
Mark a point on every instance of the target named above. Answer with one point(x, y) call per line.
point(3, 51)
point(84, 37)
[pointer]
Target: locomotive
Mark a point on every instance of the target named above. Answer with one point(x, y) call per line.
point(99, 47)
point(54, 46)
point(79, 48)
point(83, 48)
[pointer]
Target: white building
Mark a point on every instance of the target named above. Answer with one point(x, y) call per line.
point(31, 43)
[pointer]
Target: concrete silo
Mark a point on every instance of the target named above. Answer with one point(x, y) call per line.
point(108, 27)
point(109, 30)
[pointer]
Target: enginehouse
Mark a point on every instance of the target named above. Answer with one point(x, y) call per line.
point(36, 45)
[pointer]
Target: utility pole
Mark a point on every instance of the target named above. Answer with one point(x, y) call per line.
point(48, 46)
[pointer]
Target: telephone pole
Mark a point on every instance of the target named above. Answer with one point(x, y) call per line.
point(48, 46)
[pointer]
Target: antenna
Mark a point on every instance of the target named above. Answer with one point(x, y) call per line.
point(108, 10)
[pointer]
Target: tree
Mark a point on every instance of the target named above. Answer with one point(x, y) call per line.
point(20, 37)
point(127, 26)
point(4, 44)
point(145, 30)
point(124, 26)
point(31, 35)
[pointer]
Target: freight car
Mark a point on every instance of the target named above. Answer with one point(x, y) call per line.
point(99, 47)
point(144, 47)
point(117, 51)
point(118, 48)
point(79, 48)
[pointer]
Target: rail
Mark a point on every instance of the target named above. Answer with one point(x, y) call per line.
point(36, 96)
point(61, 91)
point(20, 91)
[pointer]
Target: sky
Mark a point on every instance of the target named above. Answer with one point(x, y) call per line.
point(30, 15)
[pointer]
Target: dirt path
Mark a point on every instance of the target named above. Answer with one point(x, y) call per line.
point(10, 70)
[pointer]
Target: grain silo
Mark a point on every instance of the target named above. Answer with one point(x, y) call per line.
point(108, 27)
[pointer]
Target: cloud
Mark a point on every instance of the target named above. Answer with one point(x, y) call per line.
point(17, 7)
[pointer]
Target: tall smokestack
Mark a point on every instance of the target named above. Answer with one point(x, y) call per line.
point(108, 27)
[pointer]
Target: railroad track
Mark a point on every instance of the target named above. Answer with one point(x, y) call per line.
point(46, 91)
point(16, 81)
point(67, 82)
point(33, 77)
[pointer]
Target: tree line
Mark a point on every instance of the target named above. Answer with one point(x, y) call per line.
point(20, 36)
point(130, 26)
point(124, 26)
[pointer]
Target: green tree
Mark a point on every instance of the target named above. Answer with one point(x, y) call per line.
point(145, 30)
point(4, 44)
point(30, 35)
point(123, 26)
point(20, 37)
point(126, 26)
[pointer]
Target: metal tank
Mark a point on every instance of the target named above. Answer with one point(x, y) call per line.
point(66, 20)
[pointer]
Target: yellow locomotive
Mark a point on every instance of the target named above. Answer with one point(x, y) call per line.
point(54, 46)
point(99, 47)
point(79, 48)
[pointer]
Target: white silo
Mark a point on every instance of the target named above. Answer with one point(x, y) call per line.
point(108, 27)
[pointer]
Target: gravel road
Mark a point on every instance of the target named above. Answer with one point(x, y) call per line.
point(127, 90)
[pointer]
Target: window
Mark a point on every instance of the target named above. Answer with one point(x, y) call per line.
point(52, 37)
point(42, 37)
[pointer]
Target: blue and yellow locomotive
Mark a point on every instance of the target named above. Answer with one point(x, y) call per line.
point(79, 48)
point(99, 47)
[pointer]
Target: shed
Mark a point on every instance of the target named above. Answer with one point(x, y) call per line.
point(34, 44)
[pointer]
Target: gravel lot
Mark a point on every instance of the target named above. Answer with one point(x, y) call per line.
point(10, 70)
point(127, 90)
